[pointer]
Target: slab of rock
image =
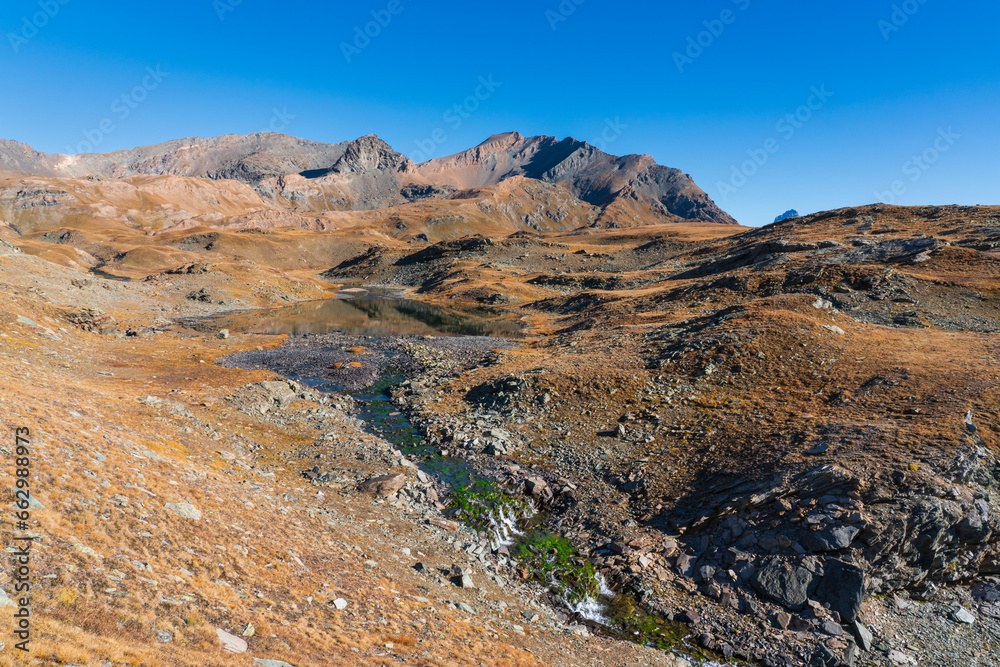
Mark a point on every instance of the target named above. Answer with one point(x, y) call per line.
point(384, 486)
point(833, 539)
point(897, 658)
point(340, 603)
point(535, 486)
point(843, 588)
point(443, 523)
point(962, 615)
point(787, 585)
point(231, 643)
point(863, 635)
point(186, 510)
point(260, 662)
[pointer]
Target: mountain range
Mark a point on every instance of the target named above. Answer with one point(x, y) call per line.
point(569, 181)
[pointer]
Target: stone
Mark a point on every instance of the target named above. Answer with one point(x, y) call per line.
point(897, 658)
point(185, 510)
point(969, 426)
point(231, 643)
point(281, 392)
point(223, 334)
point(832, 629)
point(785, 584)
point(685, 565)
point(834, 329)
point(535, 486)
point(863, 635)
point(843, 589)
point(465, 581)
point(260, 662)
point(164, 636)
point(443, 523)
point(5, 600)
point(783, 619)
point(833, 539)
point(340, 603)
point(383, 486)
point(962, 615)
point(249, 630)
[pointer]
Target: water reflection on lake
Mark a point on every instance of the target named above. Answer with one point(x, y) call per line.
point(364, 315)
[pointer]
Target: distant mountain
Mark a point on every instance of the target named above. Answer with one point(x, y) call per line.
point(791, 213)
point(595, 177)
point(367, 174)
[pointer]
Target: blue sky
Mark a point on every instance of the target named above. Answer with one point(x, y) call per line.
point(890, 100)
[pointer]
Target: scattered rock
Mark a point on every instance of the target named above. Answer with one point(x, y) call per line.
point(383, 486)
point(962, 615)
point(231, 643)
point(185, 510)
point(786, 584)
point(897, 658)
point(443, 523)
point(863, 635)
point(843, 588)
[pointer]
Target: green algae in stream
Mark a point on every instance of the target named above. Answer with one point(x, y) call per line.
point(553, 560)
point(482, 501)
point(548, 557)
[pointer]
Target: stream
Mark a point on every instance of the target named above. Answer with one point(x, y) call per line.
point(517, 528)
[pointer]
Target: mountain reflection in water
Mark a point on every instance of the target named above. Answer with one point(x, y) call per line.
point(371, 317)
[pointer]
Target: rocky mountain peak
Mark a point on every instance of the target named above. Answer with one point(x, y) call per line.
point(370, 153)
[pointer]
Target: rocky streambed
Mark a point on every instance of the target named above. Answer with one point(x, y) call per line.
point(517, 513)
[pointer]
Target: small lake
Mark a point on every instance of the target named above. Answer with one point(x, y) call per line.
point(364, 313)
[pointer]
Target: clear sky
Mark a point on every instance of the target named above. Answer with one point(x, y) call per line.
point(706, 87)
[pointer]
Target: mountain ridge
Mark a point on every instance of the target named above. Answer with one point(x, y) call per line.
point(367, 173)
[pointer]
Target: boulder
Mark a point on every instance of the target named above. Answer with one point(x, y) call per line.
point(185, 510)
point(535, 486)
point(384, 486)
point(833, 539)
point(231, 643)
point(843, 588)
point(863, 635)
point(787, 585)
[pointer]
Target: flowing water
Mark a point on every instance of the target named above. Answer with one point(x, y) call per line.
point(514, 524)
